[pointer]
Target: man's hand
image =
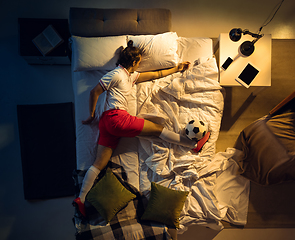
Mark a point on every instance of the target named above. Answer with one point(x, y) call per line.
point(183, 66)
point(88, 120)
point(148, 76)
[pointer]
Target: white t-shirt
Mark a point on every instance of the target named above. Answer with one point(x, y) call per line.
point(118, 84)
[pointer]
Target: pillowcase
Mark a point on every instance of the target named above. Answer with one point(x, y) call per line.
point(96, 53)
point(193, 49)
point(109, 196)
point(165, 205)
point(159, 51)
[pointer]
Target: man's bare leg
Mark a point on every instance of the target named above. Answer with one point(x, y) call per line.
point(103, 156)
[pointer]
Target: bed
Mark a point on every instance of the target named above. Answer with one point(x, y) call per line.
point(213, 190)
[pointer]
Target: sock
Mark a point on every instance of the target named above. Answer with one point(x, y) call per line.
point(88, 181)
point(176, 138)
point(201, 143)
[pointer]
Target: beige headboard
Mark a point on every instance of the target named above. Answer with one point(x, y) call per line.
point(97, 22)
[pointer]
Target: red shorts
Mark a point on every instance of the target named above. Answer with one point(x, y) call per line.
point(117, 123)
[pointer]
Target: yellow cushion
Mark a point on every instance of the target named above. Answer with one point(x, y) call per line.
point(109, 196)
point(165, 205)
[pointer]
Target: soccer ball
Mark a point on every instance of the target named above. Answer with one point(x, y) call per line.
point(196, 129)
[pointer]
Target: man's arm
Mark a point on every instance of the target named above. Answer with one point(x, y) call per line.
point(94, 94)
point(148, 76)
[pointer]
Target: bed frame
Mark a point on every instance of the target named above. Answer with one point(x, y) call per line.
point(114, 22)
point(91, 22)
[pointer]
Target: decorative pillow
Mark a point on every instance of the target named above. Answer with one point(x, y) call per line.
point(165, 205)
point(159, 51)
point(192, 49)
point(96, 53)
point(109, 196)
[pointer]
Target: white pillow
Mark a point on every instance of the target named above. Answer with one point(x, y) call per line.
point(96, 53)
point(194, 49)
point(159, 51)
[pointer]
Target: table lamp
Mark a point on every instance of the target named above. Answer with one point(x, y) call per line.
point(247, 47)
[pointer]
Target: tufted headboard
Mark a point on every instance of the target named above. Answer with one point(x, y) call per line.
point(97, 22)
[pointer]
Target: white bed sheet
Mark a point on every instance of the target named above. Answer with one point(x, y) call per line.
point(216, 192)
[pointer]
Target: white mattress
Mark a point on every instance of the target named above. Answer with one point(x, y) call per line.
point(216, 192)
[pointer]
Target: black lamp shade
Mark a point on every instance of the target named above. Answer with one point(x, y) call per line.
point(235, 34)
point(247, 48)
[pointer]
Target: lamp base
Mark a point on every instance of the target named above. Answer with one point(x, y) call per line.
point(247, 48)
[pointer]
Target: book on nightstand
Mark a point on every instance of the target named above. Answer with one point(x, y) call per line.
point(47, 40)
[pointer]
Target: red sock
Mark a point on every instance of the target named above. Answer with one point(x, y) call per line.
point(80, 206)
point(201, 142)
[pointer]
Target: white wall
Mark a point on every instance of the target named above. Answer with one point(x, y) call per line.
point(189, 17)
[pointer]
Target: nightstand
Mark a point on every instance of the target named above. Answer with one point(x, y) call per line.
point(29, 28)
point(260, 59)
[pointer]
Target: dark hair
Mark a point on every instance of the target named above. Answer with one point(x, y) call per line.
point(129, 55)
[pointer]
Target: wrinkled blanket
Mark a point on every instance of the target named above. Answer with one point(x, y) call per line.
point(216, 191)
point(173, 102)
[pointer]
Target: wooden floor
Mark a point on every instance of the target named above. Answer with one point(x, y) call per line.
point(241, 108)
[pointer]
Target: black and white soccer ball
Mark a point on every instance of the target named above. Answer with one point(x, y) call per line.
point(196, 129)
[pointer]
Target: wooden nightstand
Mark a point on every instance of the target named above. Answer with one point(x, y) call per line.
point(260, 58)
point(29, 28)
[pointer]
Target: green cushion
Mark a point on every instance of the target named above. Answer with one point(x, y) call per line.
point(109, 196)
point(165, 205)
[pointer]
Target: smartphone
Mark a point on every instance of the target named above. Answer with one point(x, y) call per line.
point(226, 64)
point(247, 75)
